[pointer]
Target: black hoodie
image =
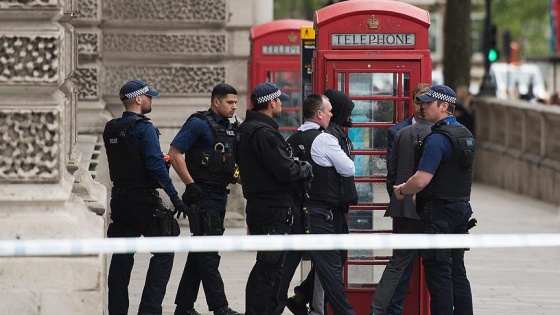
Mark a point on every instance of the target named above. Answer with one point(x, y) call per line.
point(342, 107)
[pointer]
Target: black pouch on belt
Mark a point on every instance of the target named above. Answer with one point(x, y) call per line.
point(165, 224)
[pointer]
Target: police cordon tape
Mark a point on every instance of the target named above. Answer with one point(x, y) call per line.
point(90, 246)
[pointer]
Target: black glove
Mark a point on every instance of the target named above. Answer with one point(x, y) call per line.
point(179, 206)
point(191, 194)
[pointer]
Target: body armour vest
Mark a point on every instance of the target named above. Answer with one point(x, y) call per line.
point(126, 168)
point(349, 191)
point(453, 178)
point(216, 165)
point(327, 183)
point(255, 177)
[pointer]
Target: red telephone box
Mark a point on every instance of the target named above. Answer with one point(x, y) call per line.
point(275, 57)
point(375, 51)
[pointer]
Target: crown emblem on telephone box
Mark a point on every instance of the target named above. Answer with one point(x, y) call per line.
point(292, 37)
point(373, 23)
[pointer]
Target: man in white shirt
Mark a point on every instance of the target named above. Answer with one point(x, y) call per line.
point(330, 163)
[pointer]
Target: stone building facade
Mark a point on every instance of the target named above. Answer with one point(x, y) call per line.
point(62, 63)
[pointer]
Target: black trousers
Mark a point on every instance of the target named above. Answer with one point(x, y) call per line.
point(446, 275)
point(203, 267)
point(263, 284)
point(391, 290)
point(327, 263)
point(133, 218)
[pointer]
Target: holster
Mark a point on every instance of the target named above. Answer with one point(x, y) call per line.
point(194, 222)
point(203, 221)
point(272, 257)
point(165, 224)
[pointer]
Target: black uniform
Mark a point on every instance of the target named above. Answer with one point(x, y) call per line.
point(137, 169)
point(444, 207)
point(269, 175)
point(342, 107)
point(325, 200)
point(207, 141)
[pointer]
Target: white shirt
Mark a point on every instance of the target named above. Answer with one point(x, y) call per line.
point(326, 151)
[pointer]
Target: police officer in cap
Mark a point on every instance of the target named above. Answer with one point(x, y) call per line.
point(442, 184)
point(206, 139)
point(137, 168)
point(270, 175)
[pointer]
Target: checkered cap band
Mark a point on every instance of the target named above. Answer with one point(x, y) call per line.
point(139, 92)
point(442, 97)
point(269, 97)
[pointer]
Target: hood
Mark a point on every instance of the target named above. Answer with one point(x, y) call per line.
point(342, 106)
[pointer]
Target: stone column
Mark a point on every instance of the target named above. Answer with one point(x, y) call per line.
point(45, 192)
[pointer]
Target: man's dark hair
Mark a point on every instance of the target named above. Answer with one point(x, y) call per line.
point(222, 90)
point(261, 106)
point(311, 105)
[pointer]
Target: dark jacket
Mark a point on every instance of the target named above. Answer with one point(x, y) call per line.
point(400, 167)
point(392, 132)
point(268, 170)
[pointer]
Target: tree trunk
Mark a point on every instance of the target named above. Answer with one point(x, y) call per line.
point(457, 44)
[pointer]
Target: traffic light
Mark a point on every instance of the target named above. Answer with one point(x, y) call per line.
point(492, 42)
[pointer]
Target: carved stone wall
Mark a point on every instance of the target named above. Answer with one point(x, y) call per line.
point(25, 58)
point(27, 4)
point(167, 10)
point(39, 163)
point(61, 65)
point(169, 80)
point(175, 44)
point(30, 145)
point(88, 75)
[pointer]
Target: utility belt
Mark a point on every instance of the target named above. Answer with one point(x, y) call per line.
point(142, 194)
point(429, 204)
point(220, 190)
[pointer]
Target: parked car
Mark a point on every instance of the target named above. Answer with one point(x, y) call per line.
point(476, 79)
point(514, 80)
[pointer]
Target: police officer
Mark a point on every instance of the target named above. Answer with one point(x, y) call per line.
point(269, 175)
point(137, 168)
point(443, 186)
point(310, 290)
point(207, 140)
point(330, 164)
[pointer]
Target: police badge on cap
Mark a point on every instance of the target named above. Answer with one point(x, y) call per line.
point(439, 92)
point(266, 92)
point(134, 88)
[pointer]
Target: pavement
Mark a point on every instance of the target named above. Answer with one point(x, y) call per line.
point(503, 280)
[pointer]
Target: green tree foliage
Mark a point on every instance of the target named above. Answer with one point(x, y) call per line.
point(299, 9)
point(528, 22)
